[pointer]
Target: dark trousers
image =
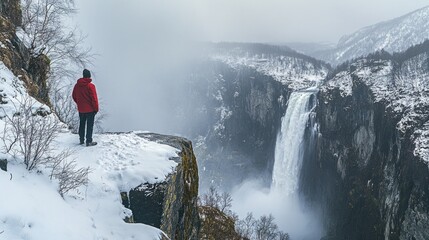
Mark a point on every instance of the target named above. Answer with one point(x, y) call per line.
point(88, 120)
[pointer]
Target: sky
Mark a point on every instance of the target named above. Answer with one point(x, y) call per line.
point(249, 20)
point(142, 44)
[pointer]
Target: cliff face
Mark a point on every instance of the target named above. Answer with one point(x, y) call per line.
point(170, 205)
point(369, 176)
point(238, 112)
point(11, 10)
point(32, 70)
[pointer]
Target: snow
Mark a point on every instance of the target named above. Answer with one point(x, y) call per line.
point(405, 91)
point(294, 72)
point(13, 92)
point(395, 35)
point(343, 81)
point(223, 111)
point(32, 209)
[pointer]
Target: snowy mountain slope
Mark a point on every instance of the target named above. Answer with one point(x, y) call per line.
point(395, 35)
point(296, 70)
point(32, 209)
point(401, 81)
point(311, 48)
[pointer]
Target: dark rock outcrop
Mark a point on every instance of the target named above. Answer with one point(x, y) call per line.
point(33, 70)
point(3, 164)
point(170, 205)
point(11, 10)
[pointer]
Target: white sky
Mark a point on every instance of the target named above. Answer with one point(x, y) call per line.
point(142, 43)
point(248, 20)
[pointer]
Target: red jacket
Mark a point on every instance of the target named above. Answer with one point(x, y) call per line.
point(85, 96)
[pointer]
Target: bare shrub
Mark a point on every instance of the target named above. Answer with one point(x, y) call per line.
point(70, 177)
point(29, 134)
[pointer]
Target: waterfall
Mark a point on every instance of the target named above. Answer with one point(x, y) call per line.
point(295, 141)
point(289, 148)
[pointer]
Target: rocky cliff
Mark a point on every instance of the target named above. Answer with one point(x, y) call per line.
point(238, 97)
point(235, 117)
point(33, 70)
point(171, 204)
point(370, 175)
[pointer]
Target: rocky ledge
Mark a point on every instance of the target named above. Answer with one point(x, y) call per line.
point(170, 204)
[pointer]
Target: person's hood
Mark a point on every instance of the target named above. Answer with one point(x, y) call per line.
point(83, 81)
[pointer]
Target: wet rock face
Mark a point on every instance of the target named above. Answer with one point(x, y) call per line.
point(170, 205)
point(364, 175)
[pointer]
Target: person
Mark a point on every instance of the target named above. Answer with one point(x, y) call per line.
point(85, 96)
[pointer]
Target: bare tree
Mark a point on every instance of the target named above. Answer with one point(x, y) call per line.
point(283, 236)
point(211, 198)
point(266, 229)
point(246, 227)
point(45, 32)
point(214, 199)
point(225, 203)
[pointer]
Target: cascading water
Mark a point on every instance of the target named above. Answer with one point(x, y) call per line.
point(289, 148)
point(295, 141)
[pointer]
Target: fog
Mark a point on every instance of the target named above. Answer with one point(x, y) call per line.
point(291, 216)
point(141, 57)
point(144, 46)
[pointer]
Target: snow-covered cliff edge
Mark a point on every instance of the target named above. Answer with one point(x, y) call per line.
point(32, 207)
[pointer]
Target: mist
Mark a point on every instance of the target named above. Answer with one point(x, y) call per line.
point(291, 215)
point(144, 48)
point(141, 59)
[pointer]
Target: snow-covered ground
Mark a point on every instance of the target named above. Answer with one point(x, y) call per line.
point(32, 209)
